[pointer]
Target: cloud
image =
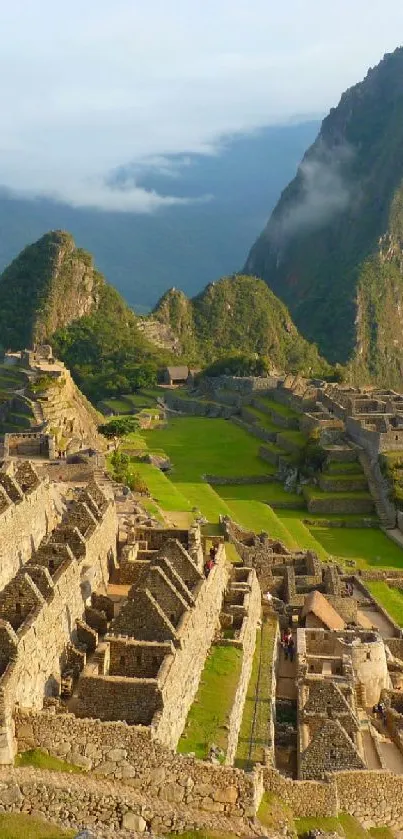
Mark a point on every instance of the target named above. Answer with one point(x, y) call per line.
point(91, 87)
point(324, 191)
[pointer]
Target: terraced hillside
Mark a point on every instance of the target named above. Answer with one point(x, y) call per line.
point(230, 450)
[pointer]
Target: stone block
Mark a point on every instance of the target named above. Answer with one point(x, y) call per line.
point(10, 795)
point(131, 821)
point(117, 754)
point(227, 795)
point(211, 806)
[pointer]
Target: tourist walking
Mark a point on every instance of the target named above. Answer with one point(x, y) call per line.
point(291, 647)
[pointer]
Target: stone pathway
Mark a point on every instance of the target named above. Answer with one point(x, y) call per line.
point(286, 673)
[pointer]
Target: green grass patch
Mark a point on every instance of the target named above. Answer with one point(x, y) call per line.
point(19, 826)
point(199, 446)
point(164, 492)
point(295, 437)
point(40, 760)
point(261, 518)
point(262, 419)
point(282, 410)
point(211, 709)
point(390, 598)
point(333, 467)
point(275, 815)
point(369, 547)
point(316, 492)
point(153, 510)
point(270, 493)
point(381, 833)
point(119, 406)
point(344, 825)
point(254, 734)
point(204, 498)
point(232, 554)
point(300, 533)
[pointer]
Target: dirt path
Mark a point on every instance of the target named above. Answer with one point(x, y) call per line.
point(392, 757)
point(371, 755)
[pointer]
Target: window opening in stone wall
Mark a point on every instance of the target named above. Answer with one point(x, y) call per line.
point(122, 661)
point(138, 658)
point(18, 608)
point(51, 565)
point(368, 656)
point(172, 617)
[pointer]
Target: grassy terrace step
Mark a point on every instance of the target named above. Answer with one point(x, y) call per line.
point(162, 489)
point(390, 598)
point(291, 441)
point(262, 418)
point(343, 483)
point(271, 493)
point(119, 406)
point(260, 518)
point(303, 537)
point(210, 712)
point(334, 467)
point(368, 548)
point(277, 407)
point(255, 733)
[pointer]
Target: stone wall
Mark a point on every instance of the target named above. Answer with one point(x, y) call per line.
point(196, 636)
point(249, 641)
point(119, 751)
point(23, 525)
point(45, 633)
point(117, 809)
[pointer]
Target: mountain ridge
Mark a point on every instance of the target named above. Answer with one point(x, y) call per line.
point(323, 249)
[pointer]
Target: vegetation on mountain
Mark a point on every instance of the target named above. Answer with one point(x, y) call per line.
point(52, 292)
point(238, 314)
point(333, 247)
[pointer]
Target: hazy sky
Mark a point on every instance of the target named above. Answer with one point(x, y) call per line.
point(89, 85)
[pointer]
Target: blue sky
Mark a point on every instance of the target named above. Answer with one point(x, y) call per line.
point(93, 85)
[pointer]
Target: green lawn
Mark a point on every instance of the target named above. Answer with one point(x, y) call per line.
point(164, 492)
point(369, 547)
point(260, 518)
point(271, 493)
point(204, 498)
point(211, 709)
point(390, 598)
point(197, 446)
point(254, 734)
point(303, 536)
point(17, 826)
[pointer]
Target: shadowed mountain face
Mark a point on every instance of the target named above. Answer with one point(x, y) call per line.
point(186, 246)
point(332, 249)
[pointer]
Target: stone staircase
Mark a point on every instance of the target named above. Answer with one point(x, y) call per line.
point(385, 510)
